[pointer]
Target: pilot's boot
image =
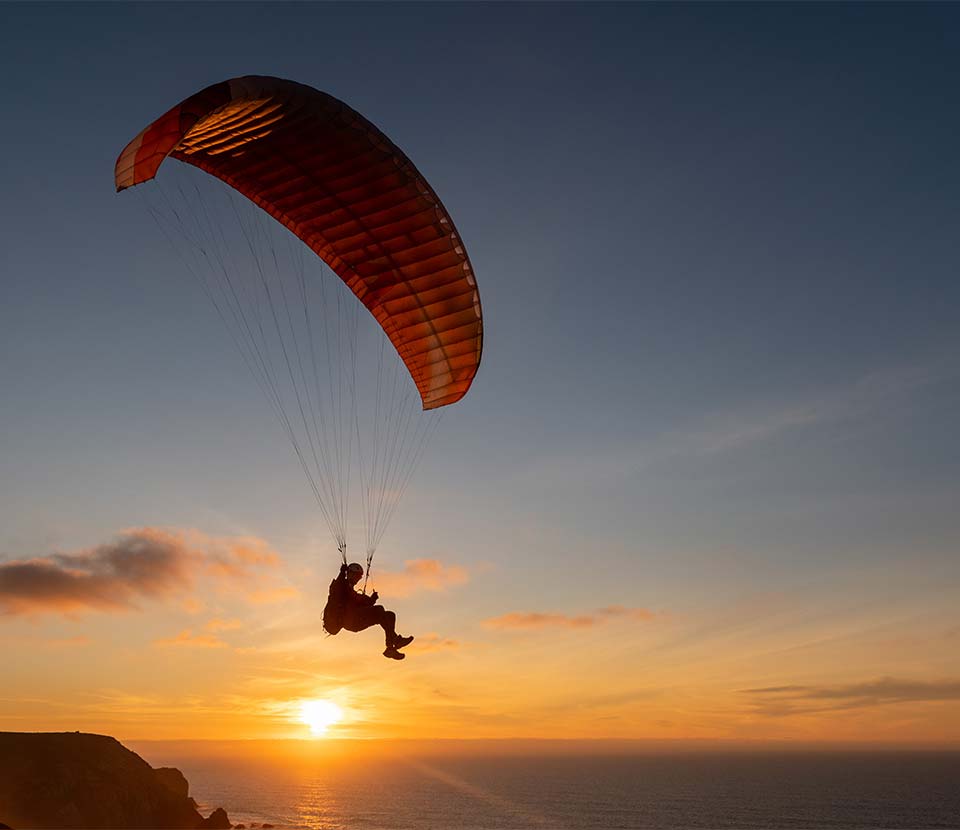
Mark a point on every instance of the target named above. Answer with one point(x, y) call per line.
point(399, 642)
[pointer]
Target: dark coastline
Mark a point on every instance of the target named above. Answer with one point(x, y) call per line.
point(72, 781)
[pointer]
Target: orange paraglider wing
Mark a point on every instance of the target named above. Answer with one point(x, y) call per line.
point(339, 184)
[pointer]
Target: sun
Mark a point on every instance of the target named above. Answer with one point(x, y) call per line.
point(320, 714)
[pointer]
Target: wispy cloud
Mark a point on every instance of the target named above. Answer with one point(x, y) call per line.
point(520, 620)
point(780, 701)
point(139, 564)
point(268, 596)
point(716, 433)
point(861, 398)
point(218, 624)
point(68, 642)
point(431, 642)
point(420, 575)
point(187, 639)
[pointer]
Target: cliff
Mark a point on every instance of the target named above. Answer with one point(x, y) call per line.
point(73, 781)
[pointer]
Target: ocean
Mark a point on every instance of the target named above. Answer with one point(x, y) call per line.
point(840, 791)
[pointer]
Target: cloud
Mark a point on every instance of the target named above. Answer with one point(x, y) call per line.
point(635, 614)
point(858, 398)
point(188, 639)
point(525, 620)
point(68, 642)
point(866, 395)
point(420, 575)
point(520, 619)
point(236, 557)
point(217, 624)
point(267, 596)
point(426, 643)
point(139, 564)
point(779, 701)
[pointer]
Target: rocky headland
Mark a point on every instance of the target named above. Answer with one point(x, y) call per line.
point(75, 781)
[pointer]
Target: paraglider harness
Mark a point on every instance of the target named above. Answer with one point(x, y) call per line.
point(339, 597)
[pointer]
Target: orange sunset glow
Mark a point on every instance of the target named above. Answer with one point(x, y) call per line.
point(319, 715)
point(201, 620)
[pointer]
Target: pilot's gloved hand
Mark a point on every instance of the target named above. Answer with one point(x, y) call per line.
point(343, 569)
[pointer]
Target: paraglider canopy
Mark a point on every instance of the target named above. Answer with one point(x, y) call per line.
point(340, 185)
point(350, 195)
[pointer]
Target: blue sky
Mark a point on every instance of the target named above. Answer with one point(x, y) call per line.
point(717, 252)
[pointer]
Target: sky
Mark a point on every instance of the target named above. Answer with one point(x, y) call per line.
point(705, 485)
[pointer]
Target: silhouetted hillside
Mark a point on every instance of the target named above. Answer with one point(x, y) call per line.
point(73, 781)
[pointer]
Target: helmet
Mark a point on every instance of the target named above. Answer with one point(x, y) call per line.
point(355, 568)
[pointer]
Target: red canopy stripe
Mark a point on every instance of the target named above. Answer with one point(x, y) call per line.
point(338, 183)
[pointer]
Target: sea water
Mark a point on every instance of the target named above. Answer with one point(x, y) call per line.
point(842, 791)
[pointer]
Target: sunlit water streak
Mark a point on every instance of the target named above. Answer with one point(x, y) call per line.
point(842, 792)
